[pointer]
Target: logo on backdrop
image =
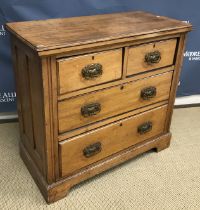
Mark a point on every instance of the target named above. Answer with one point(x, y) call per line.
point(7, 97)
point(2, 30)
point(192, 55)
point(186, 21)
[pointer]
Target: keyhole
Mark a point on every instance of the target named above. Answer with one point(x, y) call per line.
point(154, 45)
point(120, 124)
point(122, 87)
point(92, 57)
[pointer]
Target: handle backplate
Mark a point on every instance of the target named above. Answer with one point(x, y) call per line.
point(145, 127)
point(153, 57)
point(92, 149)
point(92, 71)
point(90, 109)
point(148, 93)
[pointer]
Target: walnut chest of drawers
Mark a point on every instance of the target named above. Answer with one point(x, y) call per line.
point(93, 92)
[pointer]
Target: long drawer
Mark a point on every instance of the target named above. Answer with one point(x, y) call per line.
point(89, 108)
point(80, 151)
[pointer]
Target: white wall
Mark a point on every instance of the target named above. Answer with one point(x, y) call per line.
point(195, 99)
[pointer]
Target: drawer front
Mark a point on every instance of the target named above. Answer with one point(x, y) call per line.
point(80, 151)
point(150, 56)
point(88, 70)
point(95, 106)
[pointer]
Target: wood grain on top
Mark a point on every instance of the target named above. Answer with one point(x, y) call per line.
point(66, 32)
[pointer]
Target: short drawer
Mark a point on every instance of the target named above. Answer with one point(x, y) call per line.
point(84, 71)
point(80, 151)
point(150, 56)
point(95, 106)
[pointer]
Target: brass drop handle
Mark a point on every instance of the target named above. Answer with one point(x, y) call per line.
point(90, 109)
point(148, 93)
point(153, 57)
point(145, 127)
point(92, 71)
point(92, 149)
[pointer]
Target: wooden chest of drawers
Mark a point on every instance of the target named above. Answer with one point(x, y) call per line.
point(93, 92)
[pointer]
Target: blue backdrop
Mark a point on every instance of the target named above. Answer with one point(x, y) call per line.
point(21, 10)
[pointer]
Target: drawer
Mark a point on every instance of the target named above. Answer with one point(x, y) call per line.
point(80, 151)
point(95, 106)
point(150, 56)
point(84, 71)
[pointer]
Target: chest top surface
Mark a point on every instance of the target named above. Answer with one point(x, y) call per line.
point(66, 32)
